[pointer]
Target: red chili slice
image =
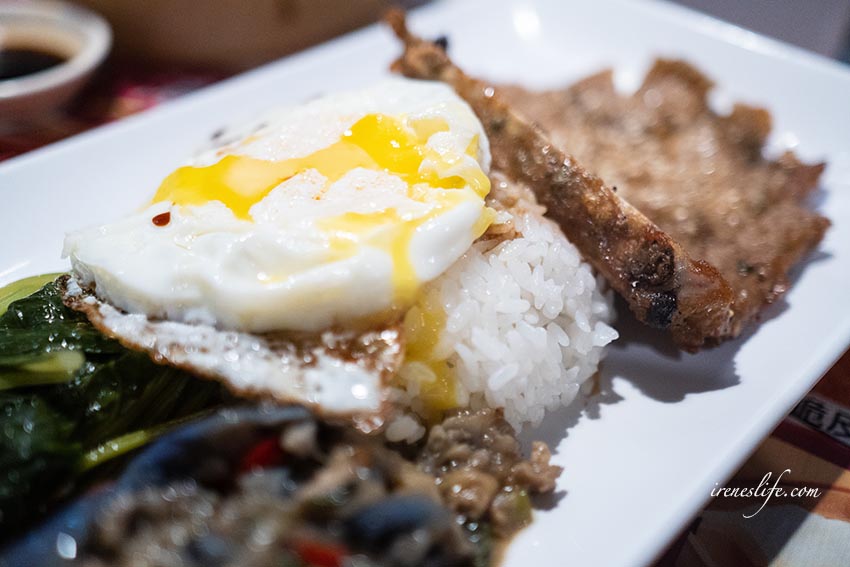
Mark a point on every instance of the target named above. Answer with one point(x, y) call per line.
point(266, 453)
point(320, 554)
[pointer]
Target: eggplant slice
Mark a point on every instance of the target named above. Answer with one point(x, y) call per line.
point(257, 486)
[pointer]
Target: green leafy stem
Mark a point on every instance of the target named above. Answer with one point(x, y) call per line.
point(73, 400)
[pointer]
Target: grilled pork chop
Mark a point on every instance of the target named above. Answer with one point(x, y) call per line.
point(662, 284)
point(701, 177)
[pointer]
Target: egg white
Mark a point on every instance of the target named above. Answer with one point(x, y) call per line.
point(276, 270)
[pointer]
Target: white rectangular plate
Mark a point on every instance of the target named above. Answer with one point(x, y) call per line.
point(642, 460)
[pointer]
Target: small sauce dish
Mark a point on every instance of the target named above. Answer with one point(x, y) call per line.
point(47, 52)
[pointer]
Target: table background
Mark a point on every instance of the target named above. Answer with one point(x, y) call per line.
point(821, 26)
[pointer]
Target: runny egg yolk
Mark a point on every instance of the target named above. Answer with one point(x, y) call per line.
point(377, 142)
point(423, 325)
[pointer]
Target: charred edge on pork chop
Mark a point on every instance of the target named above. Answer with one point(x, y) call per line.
point(663, 286)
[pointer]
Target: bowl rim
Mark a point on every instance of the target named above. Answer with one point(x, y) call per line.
point(97, 40)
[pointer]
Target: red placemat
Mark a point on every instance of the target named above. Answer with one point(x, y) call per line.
point(121, 88)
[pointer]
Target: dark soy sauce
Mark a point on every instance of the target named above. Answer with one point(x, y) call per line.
point(20, 62)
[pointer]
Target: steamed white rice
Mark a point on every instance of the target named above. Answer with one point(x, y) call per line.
point(526, 326)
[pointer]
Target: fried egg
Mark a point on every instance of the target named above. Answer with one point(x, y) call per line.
point(332, 214)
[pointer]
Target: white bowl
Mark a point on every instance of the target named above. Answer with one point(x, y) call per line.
point(78, 34)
